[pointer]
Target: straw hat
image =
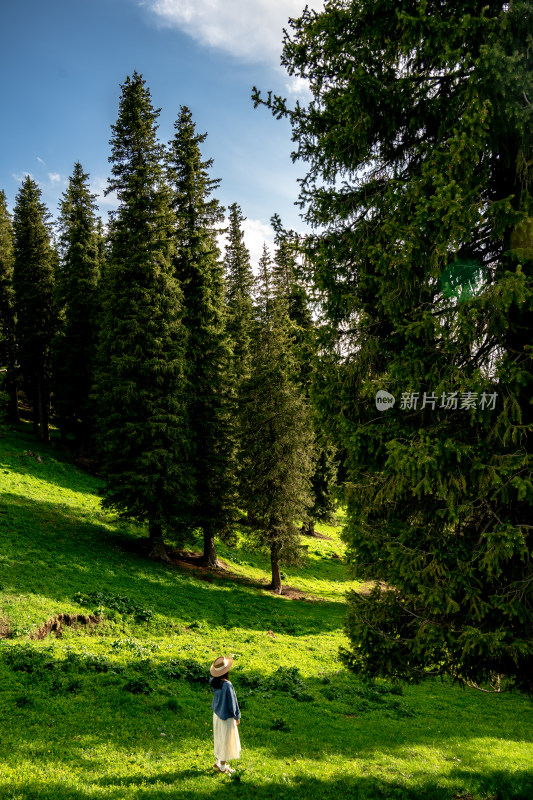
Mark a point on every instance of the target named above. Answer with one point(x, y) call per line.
point(221, 665)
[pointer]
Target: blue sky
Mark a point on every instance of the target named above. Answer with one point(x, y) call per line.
point(63, 61)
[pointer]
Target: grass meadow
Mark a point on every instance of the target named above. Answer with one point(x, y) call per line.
point(118, 707)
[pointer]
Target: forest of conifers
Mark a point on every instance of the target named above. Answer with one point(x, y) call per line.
point(204, 392)
point(183, 378)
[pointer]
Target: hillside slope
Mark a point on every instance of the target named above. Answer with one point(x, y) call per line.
point(117, 705)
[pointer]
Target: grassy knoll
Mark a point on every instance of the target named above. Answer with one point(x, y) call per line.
point(120, 709)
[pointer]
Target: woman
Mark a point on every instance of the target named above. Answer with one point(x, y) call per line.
point(226, 715)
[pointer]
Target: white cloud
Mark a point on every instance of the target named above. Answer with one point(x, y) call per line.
point(256, 234)
point(249, 29)
point(41, 161)
point(22, 177)
point(299, 87)
point(54, 177)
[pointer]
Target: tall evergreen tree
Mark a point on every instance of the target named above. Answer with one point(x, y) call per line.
point(323, 481)
point(79, 274)
point(424, 112)
point(200, 273)
point(36, 313)
point(7, 309)
point(103, 249)
point(143, 430)
point(289, 280)
point(239, 282)
point(101, 243)
point(288, 277)
point(278, 438)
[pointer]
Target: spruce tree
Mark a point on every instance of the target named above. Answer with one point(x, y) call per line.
point(7, 310)
point(200, 273)
point(323, 482)
point(139, 389)
point(79, 274)
point(35, 308)
point(239, 282)
point(289, 280)
point(278, 438)
point(418, 140)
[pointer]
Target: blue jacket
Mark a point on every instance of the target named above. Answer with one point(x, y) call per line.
point(225, 703)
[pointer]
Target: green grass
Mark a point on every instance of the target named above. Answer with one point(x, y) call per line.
point(121, 709)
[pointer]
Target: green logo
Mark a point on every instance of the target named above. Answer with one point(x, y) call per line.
point(463, 279)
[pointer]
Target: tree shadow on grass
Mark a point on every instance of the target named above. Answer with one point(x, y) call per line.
point(245, 786)
point(376, 735)
point(372, 743)
point(376, 742)
point(50, 550)
point(161, 777)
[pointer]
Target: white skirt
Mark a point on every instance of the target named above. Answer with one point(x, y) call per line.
point(226, 736)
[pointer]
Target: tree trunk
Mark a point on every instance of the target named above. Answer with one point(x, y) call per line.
point(13, 407)
point(308, 529)
point(42, 403)
point(276, 573)
point(157, 551)
point(251, 519)
point(209, 557)
point(33, 398)
point(11, 376)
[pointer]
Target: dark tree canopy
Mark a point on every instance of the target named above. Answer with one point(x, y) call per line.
point(239, 281)
point(419, 151)
point(289, 279)
point(35, 307)
point(143, 429)
point(277, 431)
point(7, 309)
point(78, 278)
point(197, 221)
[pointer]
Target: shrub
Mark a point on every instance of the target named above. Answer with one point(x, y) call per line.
point(280, 724)
point(97, 663)
point(24, 658)
point(191, 671)
point(132, 646)
point(23, 700)
point(194, 672)
point(100, 601)
point(288, 680)
point(138, 686)
point(284, 679)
